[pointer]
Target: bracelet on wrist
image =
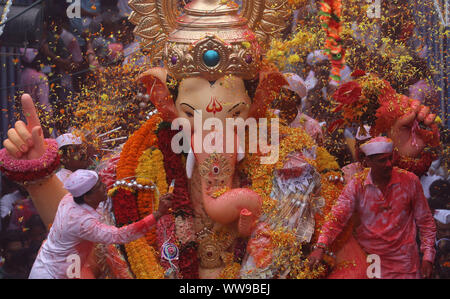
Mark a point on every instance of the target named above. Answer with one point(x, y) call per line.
point(31, 171)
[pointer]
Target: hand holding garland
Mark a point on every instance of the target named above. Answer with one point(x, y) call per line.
point(370, 99)
point(409, 139)
point(165, 206)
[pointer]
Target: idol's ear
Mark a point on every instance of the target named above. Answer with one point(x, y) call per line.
point(270, 84)
point(155, 82)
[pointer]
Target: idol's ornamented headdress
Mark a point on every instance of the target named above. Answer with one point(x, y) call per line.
point(211, 38)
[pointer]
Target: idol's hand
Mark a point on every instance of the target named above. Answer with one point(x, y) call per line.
point(408, 137)
point(26, 141)
point(165, 203)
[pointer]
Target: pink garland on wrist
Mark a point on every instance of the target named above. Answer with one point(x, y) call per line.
point(23, 171)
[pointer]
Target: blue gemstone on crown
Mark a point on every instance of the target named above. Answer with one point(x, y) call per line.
point(211, 58)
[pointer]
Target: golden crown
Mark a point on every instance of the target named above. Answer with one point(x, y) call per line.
point(211, 38)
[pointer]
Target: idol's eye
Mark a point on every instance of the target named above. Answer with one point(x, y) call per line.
point(188, 109)
point(236, 114)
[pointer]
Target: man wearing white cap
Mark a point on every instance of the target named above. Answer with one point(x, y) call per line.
point(77, 227)
point(66, 144)
point(389, 204)
point(74, 155)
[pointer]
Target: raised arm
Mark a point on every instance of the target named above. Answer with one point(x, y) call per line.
point(29, 159)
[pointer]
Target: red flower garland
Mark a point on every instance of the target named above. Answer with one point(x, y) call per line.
point(418, 166)
point(125, 207)
point(172, 166)
point(165, 232)
point(348, 93)
point(175, 169)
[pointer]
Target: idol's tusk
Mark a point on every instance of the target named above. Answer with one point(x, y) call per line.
point(240, 154)
point(190, 162)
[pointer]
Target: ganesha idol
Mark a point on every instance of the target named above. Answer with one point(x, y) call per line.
point(232, 216)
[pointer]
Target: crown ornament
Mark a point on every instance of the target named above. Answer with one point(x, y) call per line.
point(210, 38)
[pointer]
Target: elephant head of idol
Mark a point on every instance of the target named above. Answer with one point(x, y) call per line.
point(213, 73)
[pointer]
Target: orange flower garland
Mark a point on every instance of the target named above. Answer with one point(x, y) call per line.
point(140, 141)
point(141, 256)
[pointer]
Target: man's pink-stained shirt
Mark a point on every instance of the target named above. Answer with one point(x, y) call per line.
point(387, 225)
point(75, 230)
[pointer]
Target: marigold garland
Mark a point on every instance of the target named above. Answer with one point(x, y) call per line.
point(126, 202)
point(142, 259)
point(419, 166)
point(330, 16)
point(140, 254)
point(140, 141)
point(150, 170)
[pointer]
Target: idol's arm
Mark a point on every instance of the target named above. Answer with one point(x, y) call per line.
point(31, 160)
point(46, 196)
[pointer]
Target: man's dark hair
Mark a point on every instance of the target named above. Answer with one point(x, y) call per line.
point(12, 236)
point(79, 200)
point(439, 194)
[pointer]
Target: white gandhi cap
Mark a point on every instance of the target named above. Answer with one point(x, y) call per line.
point(80, 182)
point(377, 145)
point(67, 139)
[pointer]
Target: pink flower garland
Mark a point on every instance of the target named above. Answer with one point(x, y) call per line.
point(22, 171)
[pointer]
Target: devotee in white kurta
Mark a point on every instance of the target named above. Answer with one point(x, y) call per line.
point(77, 226)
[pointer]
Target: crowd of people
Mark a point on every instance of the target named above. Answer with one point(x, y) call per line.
point(71, 50)
point(74, 51)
